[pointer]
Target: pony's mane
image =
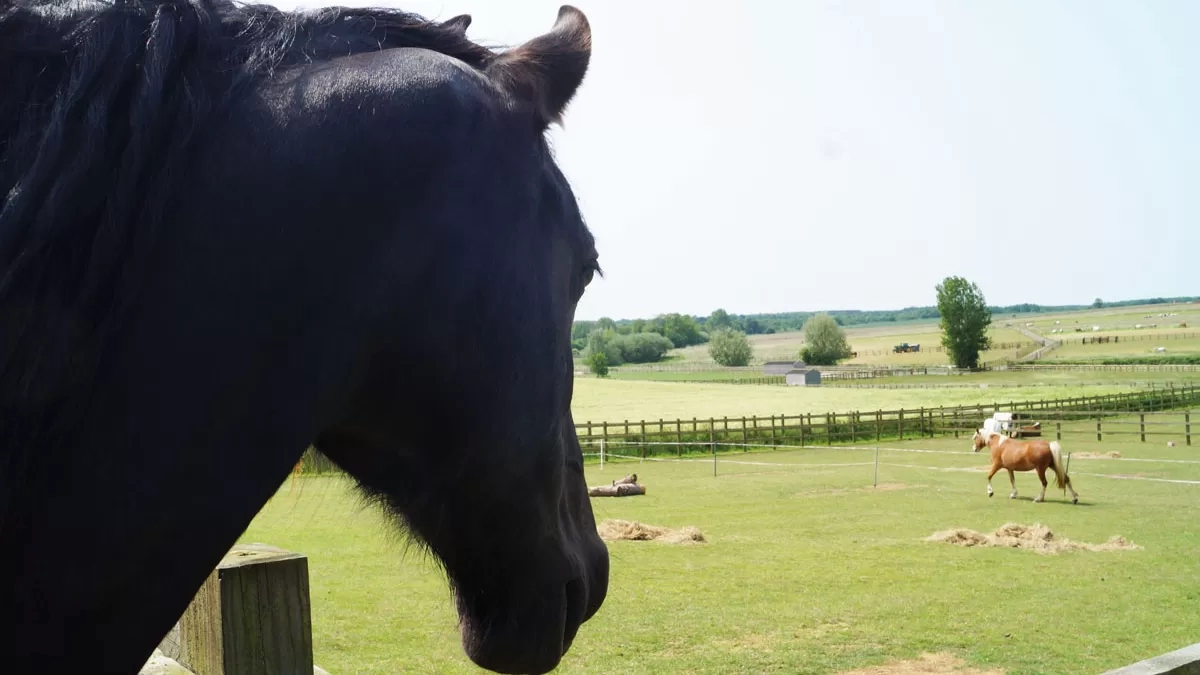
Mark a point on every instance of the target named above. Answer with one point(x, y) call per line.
point(100, 103)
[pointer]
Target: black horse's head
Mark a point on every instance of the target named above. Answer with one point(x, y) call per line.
point(458, 418)
point(228, 232)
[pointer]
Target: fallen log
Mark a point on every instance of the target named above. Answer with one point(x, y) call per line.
point(617, 490)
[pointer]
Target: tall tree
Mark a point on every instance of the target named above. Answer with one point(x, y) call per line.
point(824, 341)
point(729, 347)
point(965, 321)
point(717, 320)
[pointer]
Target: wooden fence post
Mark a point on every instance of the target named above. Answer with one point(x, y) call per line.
point(1058, 430)
point(1099, 434)
point(1142, 422)
point(744, 441)
point(878, 424)
point(1187, 426)
point(252, 615)
point(900, 417)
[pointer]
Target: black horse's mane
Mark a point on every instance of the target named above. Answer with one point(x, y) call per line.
point(99, 103)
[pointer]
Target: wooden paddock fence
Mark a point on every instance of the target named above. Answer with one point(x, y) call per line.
point(1057, 416)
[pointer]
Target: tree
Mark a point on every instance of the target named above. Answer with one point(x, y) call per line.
point(602, 341)
point(642, 347)
point(598, 364)
point(717, 320)
point(682, 331)
point(1097, 303)
point(824, 341)
point(965, 321)
point(729, 347)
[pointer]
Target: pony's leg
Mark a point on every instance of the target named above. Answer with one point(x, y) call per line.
point(990, 474)
point(1012, 478)
point(1041, 472)
point(1074, 497)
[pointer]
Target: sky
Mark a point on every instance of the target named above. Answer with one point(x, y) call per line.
point(807, 155)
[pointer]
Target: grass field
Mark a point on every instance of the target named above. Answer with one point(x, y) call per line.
point(1047, 378)
point(613, 400)
point(807, 569)
point(1110, 320)
point(873, 342)
point(1134, 348)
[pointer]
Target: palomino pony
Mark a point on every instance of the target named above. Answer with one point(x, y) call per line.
point(1017, 455)
point(228, 232)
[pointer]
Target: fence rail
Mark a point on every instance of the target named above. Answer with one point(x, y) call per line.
point(684, 436)
point(701, 435)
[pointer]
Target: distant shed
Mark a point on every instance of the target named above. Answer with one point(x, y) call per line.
point(803, 377)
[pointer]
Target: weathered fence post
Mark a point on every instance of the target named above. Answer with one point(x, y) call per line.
point(1142, 422)
point(1058, 430)
point(251, 616)
point(1099, 434)
point(900, 418)
point(712, 439)
point(1187, 426)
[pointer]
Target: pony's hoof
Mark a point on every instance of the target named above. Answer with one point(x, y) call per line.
point(1075, 500)
point(991, 494)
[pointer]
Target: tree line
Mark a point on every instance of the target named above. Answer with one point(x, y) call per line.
point(692, 329)
point(964, 317)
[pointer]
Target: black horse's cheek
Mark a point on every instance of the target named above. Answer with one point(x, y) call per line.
point(220, 246)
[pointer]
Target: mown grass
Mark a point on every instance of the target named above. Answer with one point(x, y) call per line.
point(807, 569)
point(1142, 350)
point(613, 400)
point(1046, 378)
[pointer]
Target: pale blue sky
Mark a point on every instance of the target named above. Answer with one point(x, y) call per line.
point(800, 155)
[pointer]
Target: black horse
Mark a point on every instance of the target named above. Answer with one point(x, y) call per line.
point(228, 231)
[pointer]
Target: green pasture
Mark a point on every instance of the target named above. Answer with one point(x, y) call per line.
point(1025, 378)
point(1137, 348)
point(615, 400)
point(1110, 320)
point(806, 567)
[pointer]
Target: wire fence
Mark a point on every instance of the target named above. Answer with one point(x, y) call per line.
point(740, 459)
point(1146, 414)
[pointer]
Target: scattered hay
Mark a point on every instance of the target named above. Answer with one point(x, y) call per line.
point(1037, 538)
point(629, 530)
point(1112, 454)
point(926, 664)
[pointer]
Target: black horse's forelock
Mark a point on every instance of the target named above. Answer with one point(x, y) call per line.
point(100, 103)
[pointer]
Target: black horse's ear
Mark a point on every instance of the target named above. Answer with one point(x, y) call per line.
point(546, 71)
point(459, 24)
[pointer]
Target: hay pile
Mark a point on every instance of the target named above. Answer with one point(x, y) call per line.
point(1112, 454)
point(1037, 538)
point(629, 530)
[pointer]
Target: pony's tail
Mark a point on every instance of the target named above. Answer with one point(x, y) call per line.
point(1060, 472)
